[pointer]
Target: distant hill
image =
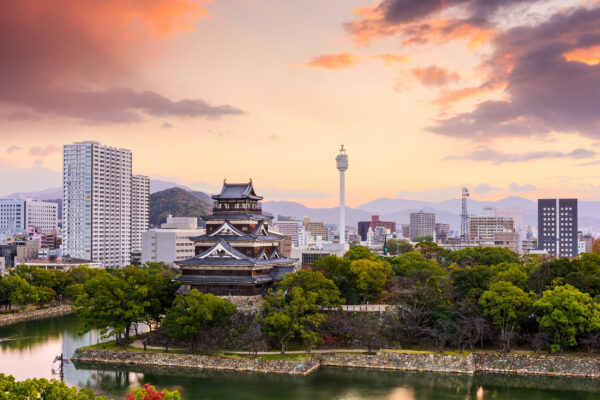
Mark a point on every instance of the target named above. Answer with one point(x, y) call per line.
point(177, 202)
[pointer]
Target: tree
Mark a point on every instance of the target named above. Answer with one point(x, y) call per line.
point(371, 277)
point(359, 253)
point(425, 238)
point(564, 312)
point(111, 304)
point(192, 315)
point(413, 264)
point(507, 305)
point(328, 295)
point(291, 313)
point(17, 291)
point(470, 282)
point(472, 256)
point(44, 295)
point(398, 246)
point(364, 330)
point(596, 246)
point(511, 272)
point(338, 270)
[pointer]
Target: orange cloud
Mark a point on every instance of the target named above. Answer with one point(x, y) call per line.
point(334, 61)
point(590, 56)
point(392, 59)
point(451, 96)
point(434, 76)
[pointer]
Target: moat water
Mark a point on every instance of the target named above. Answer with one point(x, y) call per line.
point(28, 349)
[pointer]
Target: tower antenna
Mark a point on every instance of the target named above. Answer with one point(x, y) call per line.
point(464, 218)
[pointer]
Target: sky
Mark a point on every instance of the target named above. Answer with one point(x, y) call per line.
point(427, 96)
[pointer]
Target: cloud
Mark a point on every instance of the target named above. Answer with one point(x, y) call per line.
point(434, 76)
point(420, 21)
point(484, 188)
point(334, 61)
point(497, 157)
point(22, 116)
point(15, 179)
point(274, 137)
point(166, 125)
point(271, 193)
point(547, 92)
point(63, 57)
point(44, 151)
point(392, 59)
point(12, 149)
point(517, 188)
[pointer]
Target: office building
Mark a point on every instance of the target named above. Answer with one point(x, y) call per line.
point(363, 226)
point(406, 231)
point(97, 203)
point(422, 224)
point(484, 228)
point(557, 227)
point(289, 228)
point(317, 230)
point(16, 215)
point(442, 232)
point(168, 245)
point(140, 210)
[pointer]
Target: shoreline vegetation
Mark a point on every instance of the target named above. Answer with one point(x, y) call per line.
point(31, 315)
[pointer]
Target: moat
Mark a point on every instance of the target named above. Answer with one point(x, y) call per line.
point(27, 350)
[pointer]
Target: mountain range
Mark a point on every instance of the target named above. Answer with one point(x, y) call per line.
point(176, 202)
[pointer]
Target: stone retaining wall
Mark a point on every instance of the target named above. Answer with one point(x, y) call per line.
point(468, 364)
point(7, 319)
point(429, 362)
point(194, 361)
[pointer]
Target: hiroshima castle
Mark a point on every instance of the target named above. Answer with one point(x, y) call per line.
point(237, 256)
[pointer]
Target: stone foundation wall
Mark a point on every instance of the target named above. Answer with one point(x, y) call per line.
point(194, 361)
point(468, 364)
point(401, 361)
point(423, 362)
point(7, 319)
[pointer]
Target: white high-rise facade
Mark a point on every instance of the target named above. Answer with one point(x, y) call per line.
point(97, 203)
point(19, 214)
point(140, 210)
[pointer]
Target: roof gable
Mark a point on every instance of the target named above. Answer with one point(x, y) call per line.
point(227, 229)
point(222, 250)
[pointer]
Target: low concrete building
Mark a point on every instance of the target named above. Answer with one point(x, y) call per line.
point(61, 263)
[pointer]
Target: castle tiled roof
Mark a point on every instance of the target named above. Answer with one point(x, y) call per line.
point(232, 191)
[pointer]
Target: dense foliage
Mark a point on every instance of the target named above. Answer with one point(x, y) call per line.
point(55, 390)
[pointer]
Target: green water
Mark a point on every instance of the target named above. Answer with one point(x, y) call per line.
point(27, 350)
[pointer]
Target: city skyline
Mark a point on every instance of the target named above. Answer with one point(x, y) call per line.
point(425, 111)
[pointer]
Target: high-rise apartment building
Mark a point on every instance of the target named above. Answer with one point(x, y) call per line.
point(557, 226)
point(316, 229)
point(20, 214)
point(140, 210)
point(422, 224)
point(484, 228)
point(97, 203)
point(363, 226)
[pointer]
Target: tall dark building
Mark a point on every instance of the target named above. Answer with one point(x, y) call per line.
point(363, 226)
point(237, 256)
point(557, 226)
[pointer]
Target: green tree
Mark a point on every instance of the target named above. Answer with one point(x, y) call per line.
point(338, 270)
point(359, 253)
point(44, 295)
point(470, 282)
point(564, 312)
point(371, 277)
point(289, 314)
point(17, 291)
point(514, 273)
point(400, 246)
point(328, 295)
point(507, 305)
point(191, 315)
point(472, 256)
point(415, 265)
point(74, 290)
point(111, 304)
point(424, 238)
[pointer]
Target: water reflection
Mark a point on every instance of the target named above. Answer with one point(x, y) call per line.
point(27, 350)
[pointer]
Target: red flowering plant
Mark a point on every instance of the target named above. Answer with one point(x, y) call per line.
point(150, 393)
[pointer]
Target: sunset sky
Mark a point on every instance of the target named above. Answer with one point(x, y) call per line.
point(427, 95)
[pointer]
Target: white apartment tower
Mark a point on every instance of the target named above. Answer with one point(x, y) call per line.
point(140, 210)
point(97, 203)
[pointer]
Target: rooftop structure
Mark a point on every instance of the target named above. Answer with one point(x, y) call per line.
point(237, 256)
